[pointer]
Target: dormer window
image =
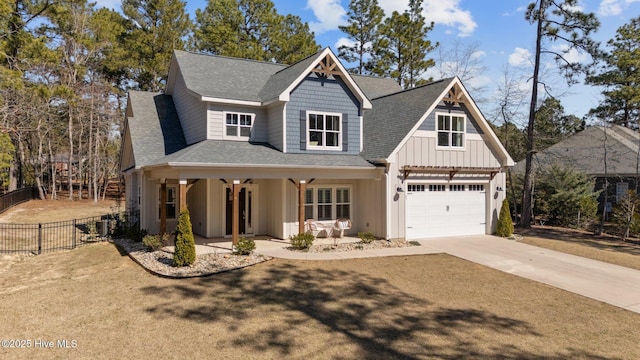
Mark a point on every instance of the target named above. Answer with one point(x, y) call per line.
point(324, 131)
point(451, 129)
point(238, 125)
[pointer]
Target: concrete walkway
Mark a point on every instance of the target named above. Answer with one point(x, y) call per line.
point(612, 284)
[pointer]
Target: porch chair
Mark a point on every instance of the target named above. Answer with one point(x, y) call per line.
point(314, 228)
point(338, 228)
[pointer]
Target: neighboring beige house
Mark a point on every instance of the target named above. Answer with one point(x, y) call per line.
point(255, 148)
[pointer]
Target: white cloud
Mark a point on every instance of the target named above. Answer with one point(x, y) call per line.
point(613, 7)
point(449, 13)
point(478, 54)
point(520, 57)
point(441, 12)
point(573, 55)
point(329, 13)
point(344, 41)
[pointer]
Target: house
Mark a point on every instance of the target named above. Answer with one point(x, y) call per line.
point(257, 148)
point(610, 153)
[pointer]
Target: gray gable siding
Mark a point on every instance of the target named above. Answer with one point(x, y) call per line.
point(330, 95)
point(191, 111)
point(430, 122)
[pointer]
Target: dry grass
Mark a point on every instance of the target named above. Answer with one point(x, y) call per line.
point(37, 211)
point(603, 248)
point(434, 306)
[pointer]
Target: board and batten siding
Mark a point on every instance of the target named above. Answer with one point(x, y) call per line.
point(217, 122)
point(191, 111)
point(429, 124)
point(422, 151)
point(328, 95)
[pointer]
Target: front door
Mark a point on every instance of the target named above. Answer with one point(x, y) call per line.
point(245, 211)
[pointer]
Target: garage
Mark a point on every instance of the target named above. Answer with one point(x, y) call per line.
point(436, 210)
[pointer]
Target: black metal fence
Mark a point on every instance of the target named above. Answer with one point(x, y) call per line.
point(64, 235)
point(16, 197)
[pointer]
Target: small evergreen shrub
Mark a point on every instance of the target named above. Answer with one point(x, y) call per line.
point(366, 237)
point(185, 252)
point(505, 224)
point(245, 246)
point(156, 242)
point(301, 241)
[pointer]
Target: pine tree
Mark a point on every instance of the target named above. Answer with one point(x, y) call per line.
point(621, 75)
point(252, 29)
point(402, 47)
point(556, 22)
point(364, 18)
point(157, 27)
point(185, 249)
point(505, 224)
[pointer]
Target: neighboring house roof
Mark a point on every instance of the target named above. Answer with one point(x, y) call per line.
point(405, 109)
point(154, 127)
point(585, 152)
point(216, 153)
point(220, 77)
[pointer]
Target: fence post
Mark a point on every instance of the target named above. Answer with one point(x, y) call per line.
point(39, 238)
point(73, 237)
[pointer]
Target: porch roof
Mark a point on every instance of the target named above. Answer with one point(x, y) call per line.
point(241, 153)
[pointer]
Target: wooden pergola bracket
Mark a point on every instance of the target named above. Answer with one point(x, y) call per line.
point(452, 171)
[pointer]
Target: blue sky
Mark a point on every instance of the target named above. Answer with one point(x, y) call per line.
point(503, 36)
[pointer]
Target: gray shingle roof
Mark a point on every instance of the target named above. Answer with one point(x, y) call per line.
point(393, 116)
point(224, 77)
point(154, 127)
point(226, 152)
point(585, 152)
point(249, 80)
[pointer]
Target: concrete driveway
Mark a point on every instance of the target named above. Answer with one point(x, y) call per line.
point(612, 284)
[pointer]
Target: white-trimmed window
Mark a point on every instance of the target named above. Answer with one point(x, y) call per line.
point(238, 125)
point(622, 189)
point(171, 201)
point(451, 129)
point(327, 202)
point(324, 131)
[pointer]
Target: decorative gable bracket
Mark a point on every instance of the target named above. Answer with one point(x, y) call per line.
point(326, 67)
point(452, 171)
point(455, 95)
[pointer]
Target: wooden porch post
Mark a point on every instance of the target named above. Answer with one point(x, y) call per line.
point(163, 206)
point(235, 224)
point(183, 194)
point(301, 192)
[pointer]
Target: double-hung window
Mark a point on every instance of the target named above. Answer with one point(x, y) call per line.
point(171, 201)
point(324, 131)
point(238, 125)
point(451, 129)
point(327, 202)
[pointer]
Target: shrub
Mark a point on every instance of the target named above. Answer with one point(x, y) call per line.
point(505, 224)
point(245, 246)
point(156, 242)
point(301, 241)
point(136, 234)
point(366, 237)
point(185, 252)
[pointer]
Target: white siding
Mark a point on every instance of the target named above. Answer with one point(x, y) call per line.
point(215, 117)
point(422, 151)
point(191, 111)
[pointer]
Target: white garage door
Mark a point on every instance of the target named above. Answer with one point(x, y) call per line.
point(434, 210)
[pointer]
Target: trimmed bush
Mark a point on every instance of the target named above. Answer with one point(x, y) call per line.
point(185, 253)
point(136, 234)
point(245, 246)
point(366, 237)
point(156, 242)
point(301, 241)
point(505, 224)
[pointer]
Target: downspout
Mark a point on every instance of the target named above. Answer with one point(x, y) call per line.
point(387, 204)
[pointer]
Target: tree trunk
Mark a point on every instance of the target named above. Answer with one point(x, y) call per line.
point(526, 215)
point(70, 159)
